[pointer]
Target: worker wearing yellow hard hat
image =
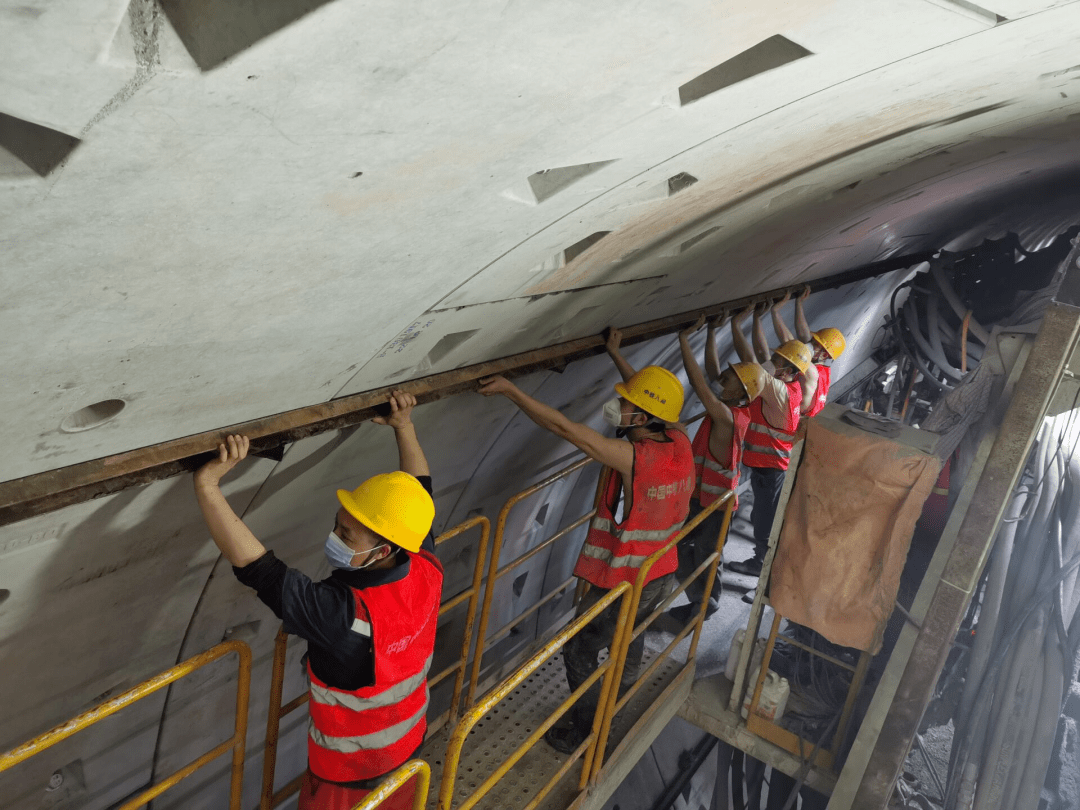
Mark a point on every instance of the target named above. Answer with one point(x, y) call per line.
point(774, 418)
point(376, 612)
point(826, 344)
point(652, 473)
point(718, 450)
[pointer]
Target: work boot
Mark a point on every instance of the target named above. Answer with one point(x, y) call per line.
point(566, 737)
point(684, 613)
point(748, 568)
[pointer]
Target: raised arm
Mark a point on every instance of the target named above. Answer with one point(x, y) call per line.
point(612, 341)
point(712, 354)
point(761, 345)
point(720, 413)
point(783, 334)
point(742, 345)
point(614, 453)
point(802, 328)
point(411, 457)
point(235, 540)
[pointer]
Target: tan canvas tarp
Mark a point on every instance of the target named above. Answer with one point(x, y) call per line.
point(846, 533)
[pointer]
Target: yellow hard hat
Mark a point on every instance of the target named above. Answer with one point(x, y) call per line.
point(797, 353)
point(656, 391)
point(394, 505)
point(752, 376)
point(831, 340)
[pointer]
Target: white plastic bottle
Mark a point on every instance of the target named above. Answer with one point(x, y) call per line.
point(774, 696)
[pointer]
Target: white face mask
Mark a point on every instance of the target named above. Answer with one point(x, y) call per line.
point(613, 412)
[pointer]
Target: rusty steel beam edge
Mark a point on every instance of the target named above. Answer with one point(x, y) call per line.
point(33, 495)
point(1023, 416)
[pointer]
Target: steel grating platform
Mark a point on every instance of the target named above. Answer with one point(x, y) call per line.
point(509, 724)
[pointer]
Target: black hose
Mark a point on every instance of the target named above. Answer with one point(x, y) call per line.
point(898, 334)
point(697, 756)
point(912, 317)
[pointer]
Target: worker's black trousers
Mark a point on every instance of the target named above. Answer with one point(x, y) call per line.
point(694, 549)
point(582, 652)
point(766, 483)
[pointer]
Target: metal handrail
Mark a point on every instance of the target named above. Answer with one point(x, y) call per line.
point(396, 780)
point(615, 704)
point(607, 670)
point(495, 572)
point(148, 687)
point(269, 799)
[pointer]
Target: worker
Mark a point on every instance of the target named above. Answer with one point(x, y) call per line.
point(370, 626)
point(654, 473)
point(774, 417)
point(717, 449)
point(827, 345)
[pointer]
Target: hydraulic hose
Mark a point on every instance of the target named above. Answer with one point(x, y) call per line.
point(1042, 746)
point(912, 316)
point(986, 691)
point(898, 333)
point(954, 301)
point(986, 630)
point(1007, 748)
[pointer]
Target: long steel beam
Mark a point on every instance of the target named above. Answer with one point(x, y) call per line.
point(23, 498)
point(1030, 400)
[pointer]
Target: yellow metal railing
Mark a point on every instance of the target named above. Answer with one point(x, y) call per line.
point(606, 670)
point(615, 703)
point(115, 704)
point(496, 573)
point(269, 799)
point(395, 781)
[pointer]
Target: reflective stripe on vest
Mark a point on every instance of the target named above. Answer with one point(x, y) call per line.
point(367, 742)
point(366, 732)
point(765, 445)
point(714, 478)
point(356, 703)
point(661, 488)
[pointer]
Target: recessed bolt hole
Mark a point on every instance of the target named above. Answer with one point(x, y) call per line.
point(92, 416)
point(358, 174)
point(55, 781)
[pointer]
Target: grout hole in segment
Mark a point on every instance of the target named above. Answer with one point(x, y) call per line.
point(447, 344)
point(27, 148)
point(579, 247)
point(768, 54)
point(546, 183)
point(92, 416)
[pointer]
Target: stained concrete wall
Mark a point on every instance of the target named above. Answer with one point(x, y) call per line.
point(212, 214)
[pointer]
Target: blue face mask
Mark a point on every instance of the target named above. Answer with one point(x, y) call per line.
point(340, 555)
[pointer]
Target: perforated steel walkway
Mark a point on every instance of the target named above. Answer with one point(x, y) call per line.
point(509, 724)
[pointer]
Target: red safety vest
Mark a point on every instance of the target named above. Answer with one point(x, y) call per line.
point(662, 485)
point(368, 732)
point(767, 445)
point(713, 477)
point(822, 392)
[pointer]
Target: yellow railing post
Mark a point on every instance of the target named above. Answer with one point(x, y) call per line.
point(606, 671)
point(597, 760)
point(146, 688)
point(472, 593)
point(395, 781)
point(494, 573)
